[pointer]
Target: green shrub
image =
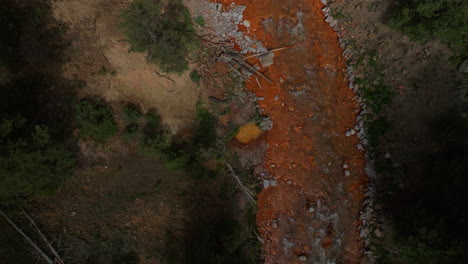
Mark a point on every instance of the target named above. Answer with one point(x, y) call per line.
point(32, 161)
point(446, 20)
point(132, 113)
point(153, 120)
point(94, 118)
point(165, 32)
point(155, 140)
point(205, 135)
point(182, 154)
point(200, 21)
point(195, 77)
point(130, 131)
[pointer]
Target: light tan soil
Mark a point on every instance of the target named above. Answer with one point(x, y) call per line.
point(97, 42)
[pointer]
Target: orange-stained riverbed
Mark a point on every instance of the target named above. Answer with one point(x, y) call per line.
point(312, 214)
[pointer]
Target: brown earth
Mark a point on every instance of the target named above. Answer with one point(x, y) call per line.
point(421, 74)
point(427, 91)
point(119, 205)
point(108, 211)
point(312, 214)
point(99, 55)
point(127, 203)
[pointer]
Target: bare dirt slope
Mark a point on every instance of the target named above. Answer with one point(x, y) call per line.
point(99, 55)
point(420, 73)
point(310, 214)
point(119, 210)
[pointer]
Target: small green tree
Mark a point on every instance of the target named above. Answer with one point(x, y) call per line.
point(94, 118)
point(165, 32)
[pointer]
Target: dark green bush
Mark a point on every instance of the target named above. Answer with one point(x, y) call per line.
point(31, 160)
point(165, 32)
point(195, 77)
point(94, 118)
point(181, 154)
point(200, 21)
point(130, 131)
point(446, 20)
point(205, 135)
point(155, 140)
point(132, 113)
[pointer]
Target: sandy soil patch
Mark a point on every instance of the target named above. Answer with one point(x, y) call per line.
point(99, 55)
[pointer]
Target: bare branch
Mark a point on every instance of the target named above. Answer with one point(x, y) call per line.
point(247, 192)
point(258, 82)
point(268, 51)
point(29, 240)
point(49, 245)
point(252, 68)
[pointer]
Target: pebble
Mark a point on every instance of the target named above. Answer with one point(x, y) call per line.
point(364, 232)
point(246, 23)
point(303, 258)
point(378, 233)
point(272, 183)
point(347, 173)
point(266, 124)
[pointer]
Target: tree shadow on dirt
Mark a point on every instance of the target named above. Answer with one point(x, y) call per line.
point(425, 197)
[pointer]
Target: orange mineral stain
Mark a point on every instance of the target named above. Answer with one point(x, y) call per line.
point(311, 107)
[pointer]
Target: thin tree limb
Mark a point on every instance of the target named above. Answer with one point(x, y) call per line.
point(29, 240)
point(239, 72)
point(239, 182)
point(251, 68)
point(49, 245)
point(268, 51)
point(258, 82)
